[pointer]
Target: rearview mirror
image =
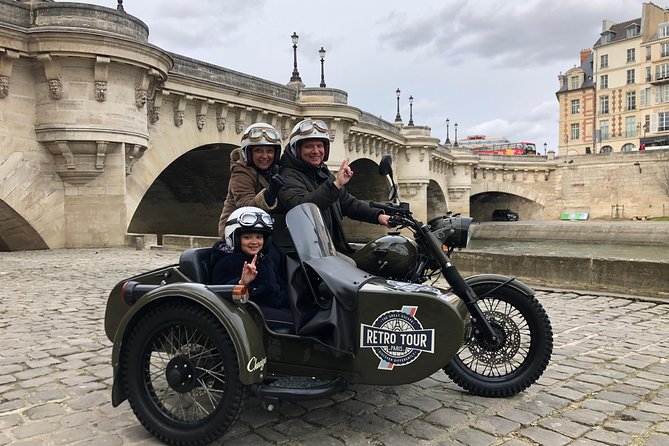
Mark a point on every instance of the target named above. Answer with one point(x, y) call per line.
point(386, 165)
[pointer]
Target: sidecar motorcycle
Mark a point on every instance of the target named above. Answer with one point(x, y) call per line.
point(186, 353)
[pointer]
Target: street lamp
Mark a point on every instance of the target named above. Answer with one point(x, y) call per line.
point(546, 149)
point(448, 140)
point(455, 126)
point(296, 74)
point(321, 53)
point(398, 118)
point(410, 110)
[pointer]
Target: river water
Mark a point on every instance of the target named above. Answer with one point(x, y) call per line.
point(574, 249)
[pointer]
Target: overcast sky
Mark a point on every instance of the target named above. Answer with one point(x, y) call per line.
point(489, 65)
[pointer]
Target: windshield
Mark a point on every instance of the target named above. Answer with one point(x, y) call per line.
point(310, 236)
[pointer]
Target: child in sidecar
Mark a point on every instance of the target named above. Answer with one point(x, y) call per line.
point(244, 258)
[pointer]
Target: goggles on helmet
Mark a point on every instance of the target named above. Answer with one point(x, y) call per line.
point(250, 219)
point(256, 134)
point(309, 126)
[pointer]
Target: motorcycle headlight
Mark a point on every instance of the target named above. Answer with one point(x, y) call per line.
point(452, 231)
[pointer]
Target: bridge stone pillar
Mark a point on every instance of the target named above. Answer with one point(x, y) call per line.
point(412, 168)
point(459, 187)
point(90, 93)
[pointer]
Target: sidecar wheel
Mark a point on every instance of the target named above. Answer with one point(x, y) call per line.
point(181, 375)
point(526, 342)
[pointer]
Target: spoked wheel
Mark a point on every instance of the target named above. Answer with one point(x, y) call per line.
point(181, 375)
point(517, 358)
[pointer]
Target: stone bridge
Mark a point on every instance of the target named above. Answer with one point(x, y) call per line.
point(103, 134)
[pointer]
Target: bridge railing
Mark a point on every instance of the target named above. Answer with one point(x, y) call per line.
point(196, 69)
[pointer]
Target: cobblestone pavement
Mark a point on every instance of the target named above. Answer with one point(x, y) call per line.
point(607, 382)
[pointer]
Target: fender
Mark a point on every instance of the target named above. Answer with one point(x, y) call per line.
point(499, 279)
point(246, 335)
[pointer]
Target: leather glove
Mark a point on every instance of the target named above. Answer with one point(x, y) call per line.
point(276, 182)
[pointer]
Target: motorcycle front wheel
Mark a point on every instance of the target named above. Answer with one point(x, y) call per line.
point(181, 375)
point(519, 356)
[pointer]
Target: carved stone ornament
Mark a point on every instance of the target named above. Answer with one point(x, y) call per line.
point(200, 120)
point(153, 112)
point(239, 127)
point(331, 134)
point(55, 89)
point(285, 133)
point(221, 123)
point(100, 91)
point(141, 96)
point(178, 118)
point(4, 86)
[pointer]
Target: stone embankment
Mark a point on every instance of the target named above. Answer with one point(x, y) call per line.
point(585, 273)
point(566, 272)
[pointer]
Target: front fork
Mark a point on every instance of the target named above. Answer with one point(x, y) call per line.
point(460, 287)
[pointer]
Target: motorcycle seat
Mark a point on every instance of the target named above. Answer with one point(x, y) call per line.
point(194, 263)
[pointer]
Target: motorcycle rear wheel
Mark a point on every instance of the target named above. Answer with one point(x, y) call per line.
point(181, 375)
point(487, 369)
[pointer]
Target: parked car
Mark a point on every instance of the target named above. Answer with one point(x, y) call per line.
point(504, 215)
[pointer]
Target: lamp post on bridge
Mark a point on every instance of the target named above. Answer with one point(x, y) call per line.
point(448, 140)
point(321, 53)
point(296, 74)
point(410, 111)
point(398, 118)
point(455, 126)
point(545, 149)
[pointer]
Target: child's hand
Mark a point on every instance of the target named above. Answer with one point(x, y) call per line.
point(249, 272)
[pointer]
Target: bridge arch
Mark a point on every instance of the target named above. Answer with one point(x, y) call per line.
point(486, 197)
point(187, 196)
point(436, 200)
point(366, 185)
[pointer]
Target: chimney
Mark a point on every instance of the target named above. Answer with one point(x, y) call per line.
point(585, 54)
point(607, 24)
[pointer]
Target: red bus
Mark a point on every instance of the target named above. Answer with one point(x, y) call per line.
point(513, 148)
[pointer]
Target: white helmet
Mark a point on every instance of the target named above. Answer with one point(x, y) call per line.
point(247, 219)
point(310, 129)
point(260, 134)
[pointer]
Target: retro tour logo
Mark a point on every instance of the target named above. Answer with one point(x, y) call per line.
point(397, 338)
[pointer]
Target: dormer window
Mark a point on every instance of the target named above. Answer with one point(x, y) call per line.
point(663, 30)
point(575, 84)
point(607, 36)
point(632, 31)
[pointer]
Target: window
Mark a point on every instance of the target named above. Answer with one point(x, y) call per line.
point(574, 82)
point(604, 61)
point(663, 121)
point(630, 100)
point(575, 131)
point(604, 130)
point(664, 49)
point(662, 71)
point(630, 127)
point(647, 74)
point(662, 93)
point(646, 124)
point(606, 37)
point(630, 76)
point(663, 30)
point(644, 97)
point(604, 105)
point(631, 55)
point(575, 106)
point(648, 53)
point(606, 149)
point(604, 81)
point(632, 31)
